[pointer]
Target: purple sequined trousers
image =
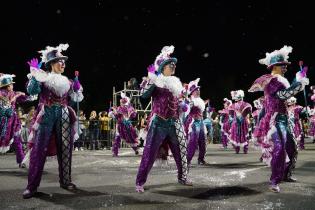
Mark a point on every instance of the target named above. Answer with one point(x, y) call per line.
point(17, 142)
point(284, 144)
point(225, 127)
point(50, 128)
point(160, 130)
point(224, 140)
point(117, 142)
point(196, 139)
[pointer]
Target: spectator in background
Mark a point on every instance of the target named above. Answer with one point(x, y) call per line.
point(133, 84)
point(143, 129)
point(78, 145)
point(24, 131)
point(94, 126)
point(134, 100)
point(105, 129)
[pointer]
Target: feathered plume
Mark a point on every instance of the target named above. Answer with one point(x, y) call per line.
point(227, 101)
point(60, 48)
point(237, 94)
point(165, 54)
point(124, 98)
point(123, 95)
point(284, 51)
point(3, 76)
point(257, 103)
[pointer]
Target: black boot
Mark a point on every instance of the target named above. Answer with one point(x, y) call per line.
point(69, 186)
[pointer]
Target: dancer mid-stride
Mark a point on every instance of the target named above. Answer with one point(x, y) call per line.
point(55, 123)
point(194, 126)
point(124, 128)
point(239, 132)
point(10, 126)
point(225, 122)
point(278, 140)
point(294, 112)
point(164, 124)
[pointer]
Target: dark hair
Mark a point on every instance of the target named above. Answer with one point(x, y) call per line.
point(48, 65)
point(133, 83)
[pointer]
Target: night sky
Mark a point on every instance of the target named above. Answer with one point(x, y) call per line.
point(112, 41)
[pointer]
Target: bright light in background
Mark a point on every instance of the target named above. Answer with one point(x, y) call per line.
point(205, 55)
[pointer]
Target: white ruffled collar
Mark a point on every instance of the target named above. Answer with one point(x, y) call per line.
point(198, 102)
point(58, 83)
point(172, 83)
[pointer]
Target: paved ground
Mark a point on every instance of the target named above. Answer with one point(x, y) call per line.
point(230, 182)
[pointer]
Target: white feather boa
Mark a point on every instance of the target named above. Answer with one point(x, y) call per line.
point(172, 83)
point(198, 102)
point(57, 83)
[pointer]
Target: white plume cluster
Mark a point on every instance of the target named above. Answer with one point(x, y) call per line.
point(165, 54)
point(60, 48)
point(284, 51)
point(4, 76)
point(237, 94)
point(226, 100)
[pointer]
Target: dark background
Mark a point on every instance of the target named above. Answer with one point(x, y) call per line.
point(112, 41)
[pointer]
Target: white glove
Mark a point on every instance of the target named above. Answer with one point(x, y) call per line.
point(301, 77)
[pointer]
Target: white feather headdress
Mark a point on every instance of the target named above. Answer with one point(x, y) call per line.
point(164, 55)
point(60, 48)
point(4, 76)
point(284, 52)
point(193, 85)
point(257, 103)
point(123, 96)
point(227, 101)
point(237, 94)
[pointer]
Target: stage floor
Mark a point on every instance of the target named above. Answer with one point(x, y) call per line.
point(230, 181)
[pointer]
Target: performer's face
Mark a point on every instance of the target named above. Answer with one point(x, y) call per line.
point(279, 69)
point(59, 66)
point(196, 93)
point(284, 69)
point(10, 87)
point(169, 69)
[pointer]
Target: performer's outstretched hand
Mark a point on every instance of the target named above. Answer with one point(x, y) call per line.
point(34, 63)
point(151, 68)
point(301, 76)
point(76, 82)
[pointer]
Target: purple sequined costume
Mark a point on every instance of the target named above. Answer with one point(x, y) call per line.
point(124, 128)
point(312, 124)
point(196, 131)
point(164, 126)
point(225, 126)
point(239, 127)
point(54, 126)
point(278, 143)
point(294, 117)
point(11, 124)
point(255, 115)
